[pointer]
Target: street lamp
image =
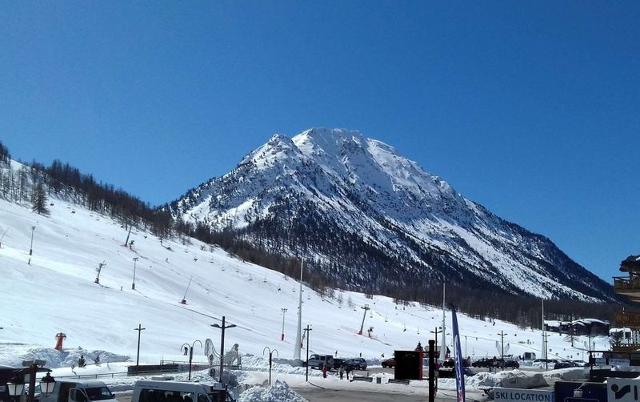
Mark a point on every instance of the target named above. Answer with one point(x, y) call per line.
point(189, 348)
point(284, 310)
point(133, 284)
point(32, 367)
point(47, 383)
point(15, 388)
point(222, 327)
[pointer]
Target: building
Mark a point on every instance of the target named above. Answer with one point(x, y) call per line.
point(628, 285)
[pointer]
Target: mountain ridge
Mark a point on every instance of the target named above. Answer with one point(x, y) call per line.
point(340, 183)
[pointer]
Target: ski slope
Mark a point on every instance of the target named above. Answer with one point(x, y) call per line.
point(57, 293)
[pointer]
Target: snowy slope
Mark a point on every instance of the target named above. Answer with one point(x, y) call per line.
point(350, 186)
point(56, 293)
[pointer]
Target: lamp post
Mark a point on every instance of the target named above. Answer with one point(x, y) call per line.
point(284, 310)
point(139, 329)
point(186, 346)
point(222, 327)
point(32, 369)
point(306, 373)
point(133, 284)
point(365, 308)
point(271, 352)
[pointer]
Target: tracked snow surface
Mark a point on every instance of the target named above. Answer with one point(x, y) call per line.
point(56, 292)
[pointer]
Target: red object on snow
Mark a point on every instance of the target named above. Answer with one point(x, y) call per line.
point(59, 339)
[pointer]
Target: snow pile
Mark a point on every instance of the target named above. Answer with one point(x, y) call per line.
point(278, 392)
point(568, 374)
point(509, 379)
point(257, 363)
point(55, 358)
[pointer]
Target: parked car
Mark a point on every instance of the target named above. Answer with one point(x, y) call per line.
point(318, 361)
point(508, 363)
point(389, 363)
point(484, 362)
point(357, 363)
point(488, 363)
point(450, 363)
point(149, 391)
point(566, 364)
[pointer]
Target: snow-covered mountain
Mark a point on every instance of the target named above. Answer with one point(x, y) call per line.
point(371, 219)
point(53, 291)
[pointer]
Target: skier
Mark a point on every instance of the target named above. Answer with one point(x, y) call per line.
point(324, 370)
point(81, 361)
point(348, 370)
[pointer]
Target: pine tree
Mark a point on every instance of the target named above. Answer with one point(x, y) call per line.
point(39, 200)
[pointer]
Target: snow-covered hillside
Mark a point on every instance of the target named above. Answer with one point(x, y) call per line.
point(341, 192)
point(57, 293)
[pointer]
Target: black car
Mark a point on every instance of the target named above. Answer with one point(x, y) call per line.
point(565, 364)
point(357, 363)
point(489, 363)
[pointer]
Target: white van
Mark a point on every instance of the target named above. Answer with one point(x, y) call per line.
point(79, 391)
point(174, 391)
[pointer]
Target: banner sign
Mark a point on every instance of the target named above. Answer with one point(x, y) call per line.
point(522, 395)
point(459, 362)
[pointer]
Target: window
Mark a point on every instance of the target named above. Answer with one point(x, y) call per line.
point(155, 395)
point(99, 393)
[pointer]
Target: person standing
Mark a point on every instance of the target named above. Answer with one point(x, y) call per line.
point(341, 372)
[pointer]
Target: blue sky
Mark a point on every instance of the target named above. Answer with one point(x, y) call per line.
point(530, 108)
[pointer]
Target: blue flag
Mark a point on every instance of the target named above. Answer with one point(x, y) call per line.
point(459, 358)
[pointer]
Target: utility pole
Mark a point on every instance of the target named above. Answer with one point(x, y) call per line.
point(444, 324)
point(133, 284)
point(284, 310)
point(222, 327)
point(306, 374)
point(432, 369)
point(298, 345)
point(139, 329)
point(435, 333)
point(544, 339)
point(365, 308)
point(502, 334)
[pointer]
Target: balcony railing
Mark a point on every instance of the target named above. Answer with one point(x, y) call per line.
point(630, 319)
point(626, 284)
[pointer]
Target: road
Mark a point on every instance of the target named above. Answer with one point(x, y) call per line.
point(318, 394)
